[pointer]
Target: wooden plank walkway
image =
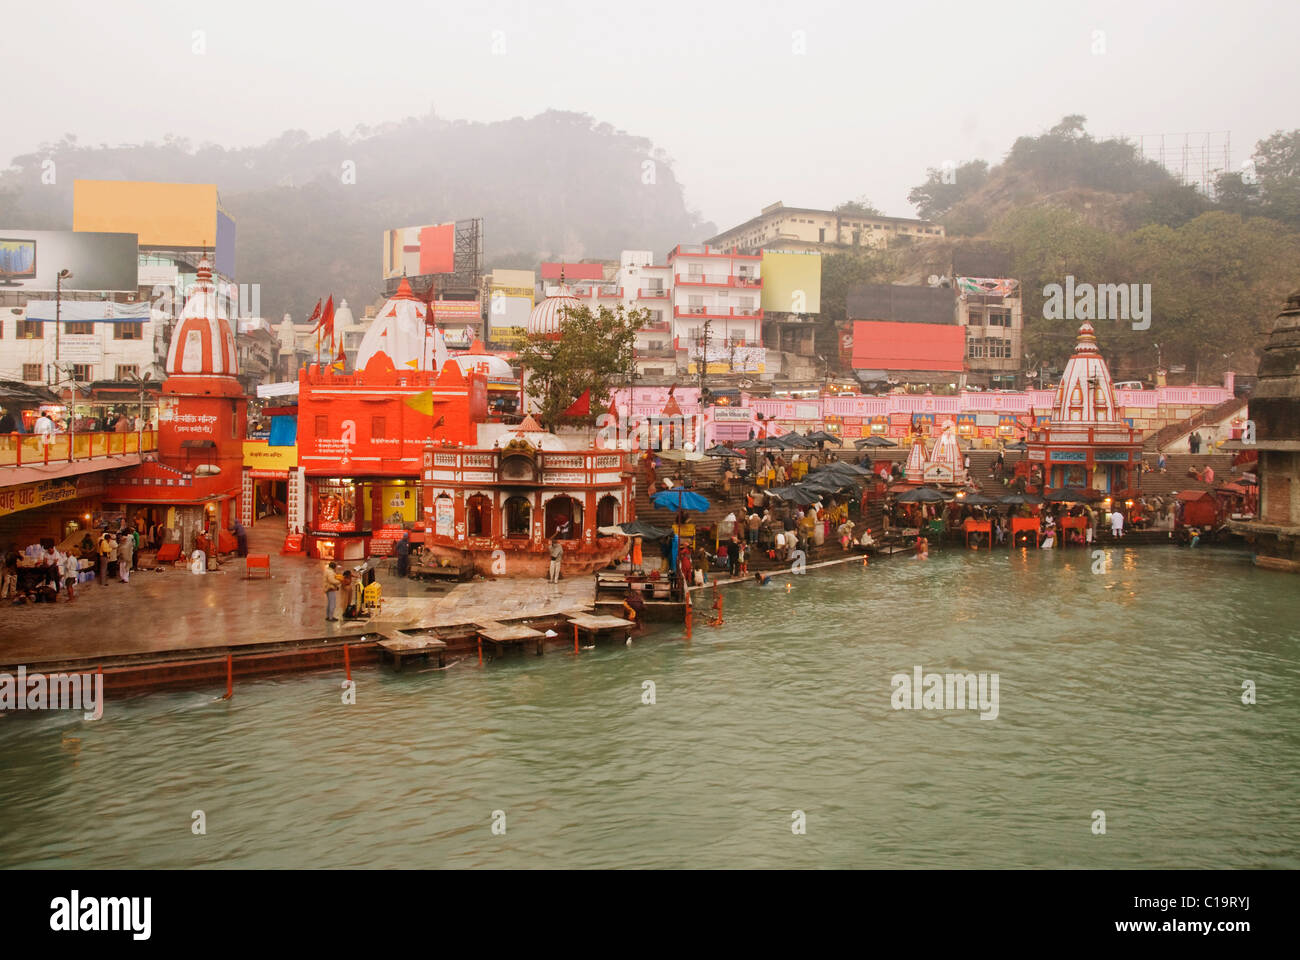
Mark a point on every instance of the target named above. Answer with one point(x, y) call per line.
point(502, 635)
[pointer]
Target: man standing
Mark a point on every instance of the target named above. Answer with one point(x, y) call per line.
point(44, 428)
point(557, 556)
point(331, 584)
point(1117, 524)
point(107, 554)
point(125, 551)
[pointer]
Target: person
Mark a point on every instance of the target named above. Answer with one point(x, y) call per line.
point(557, 557)
point(762, 579)
point(353, 596)
point(1161, 462)
point(107, 556)
point(71, 568)
point(7, 423)
point(404, 555)
point(332, 582)
point(1207, 475)
point(726, 483)
point(751, 526)
point(702, 561)
point(1116, 523)
point(633, 607)
point(241, 538)
point(684, 564)
point(733, 555)
point(922, 549)
point(9, 584)
point(1194, 443)
point(716, 620)
point(742, 555)
point(123, 425)
point(125, 552)
point(637, 556)
point(135, 547)
point(44, 428)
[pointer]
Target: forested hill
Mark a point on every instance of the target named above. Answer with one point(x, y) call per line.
point(555, 185)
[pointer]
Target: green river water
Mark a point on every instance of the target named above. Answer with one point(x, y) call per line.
point(1119, 691)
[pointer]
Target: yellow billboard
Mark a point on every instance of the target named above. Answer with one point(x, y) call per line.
point(162, 214)
point(792, 282)
point(259, 455)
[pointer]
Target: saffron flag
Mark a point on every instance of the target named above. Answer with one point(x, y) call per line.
point(341, 360)
point(580, 407)
point(315, 315)
point(327, 318)
point(421, 402)
point(413, 363)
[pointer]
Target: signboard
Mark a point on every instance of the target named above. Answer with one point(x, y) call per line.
point(258, 455)
point(162, 214)
point(456, 311)
point(81, 349)
point(792, 282)
point(419, 251)
point(444, 514)
point(30, 260)
point(29, 495)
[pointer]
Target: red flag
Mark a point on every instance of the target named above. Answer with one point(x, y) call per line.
point(327, 317)
point(315, 315)
point(613, 408)
point(580, 407)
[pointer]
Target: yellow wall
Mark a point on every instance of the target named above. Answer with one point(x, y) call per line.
point(792, 282)
point(406, 493)
point(163, 214)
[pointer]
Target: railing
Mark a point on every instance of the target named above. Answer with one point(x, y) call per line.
point(652, 293)
point(30, 449)
point(733, 313)
point(700, 280)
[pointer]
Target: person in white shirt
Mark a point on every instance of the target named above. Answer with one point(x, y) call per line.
point(1117, 524)
point(45, 427)
point(71, 568)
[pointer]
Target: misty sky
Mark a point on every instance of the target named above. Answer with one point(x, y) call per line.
point(882, 92)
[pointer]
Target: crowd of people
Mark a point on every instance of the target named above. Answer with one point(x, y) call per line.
point(41, 572)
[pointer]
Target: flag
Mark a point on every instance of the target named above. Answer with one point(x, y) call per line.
point(341, 360)
point(413, 364)
point(422, 402)
point(327, 318)
point(580, 407)
point(315, 314)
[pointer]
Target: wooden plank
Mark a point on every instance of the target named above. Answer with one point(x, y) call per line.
point(507, 632)
point(586, 621)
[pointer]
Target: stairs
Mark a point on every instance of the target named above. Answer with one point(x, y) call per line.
point(1174, 432)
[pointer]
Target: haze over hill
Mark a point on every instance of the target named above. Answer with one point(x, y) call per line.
point(558, 184)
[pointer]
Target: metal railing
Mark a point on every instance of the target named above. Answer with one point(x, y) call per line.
point(30, 449)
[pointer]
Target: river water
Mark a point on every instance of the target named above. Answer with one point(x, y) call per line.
point(1119, 691)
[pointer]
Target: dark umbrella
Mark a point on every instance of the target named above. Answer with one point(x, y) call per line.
point(1071, 496)
point(1018, 445)
point(645, 530)
point(923, 495)
point(1019, 499)
point(875, 440)
point(978, 500)
point(822, 436)
point(794, 495)
point(679, 498)
point(718, 450)
point(749, 444)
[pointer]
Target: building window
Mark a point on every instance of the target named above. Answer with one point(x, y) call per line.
point(81, 372)
point(78, 329)
point(821, 234)
point(376, 427)
point(975, 349)
point(31, 372)
point(31, 330)
point(999, 318)
point(126, 370)
point(128, 331)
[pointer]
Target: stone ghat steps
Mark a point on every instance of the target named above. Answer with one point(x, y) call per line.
point(1176, 477)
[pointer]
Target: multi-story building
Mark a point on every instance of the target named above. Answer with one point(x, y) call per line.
point(990, 310)
point(779, 227)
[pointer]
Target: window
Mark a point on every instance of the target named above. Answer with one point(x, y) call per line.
point(128, 331)
point(376, 427)
point(975, 348)
point(81, 372)
point(126, 371)
point(821, 234)
point(31, 330)
point(999, 318)
point(78, 329)
point(31, 372)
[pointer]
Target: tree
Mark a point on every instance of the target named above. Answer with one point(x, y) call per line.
point(861, 207)
point(594, 349)
point(840, 273)
point(944, 189)
point(1277, 167)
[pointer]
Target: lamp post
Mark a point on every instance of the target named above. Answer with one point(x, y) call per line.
point(63, 274)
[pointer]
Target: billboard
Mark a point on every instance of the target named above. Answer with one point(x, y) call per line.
point(508, 318)
point(456, 311)
point(161, 214)
point(32, 259)
point(418, 251)
point(792, 282)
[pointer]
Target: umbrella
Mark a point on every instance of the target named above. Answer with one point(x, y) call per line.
point(1071, 496)
point(823, 437)
point(923, 495)
point(794, 495)
point(1020, 499)
point(638, 528)
point(718, 450)
point(748, 444)
point(874, 441)
point(1018, 445)
point(679, 498)
point(688, 456)
point(844, 468)
point(978, 500)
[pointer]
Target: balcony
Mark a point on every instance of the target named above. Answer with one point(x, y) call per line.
point(651, 294)
point(703, 250)
point(31, 449)
point(663, 327)
point(699, 280)
point(719, 313)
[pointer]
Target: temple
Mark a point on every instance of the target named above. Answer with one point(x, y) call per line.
point(1085, 445)
point(197, 475)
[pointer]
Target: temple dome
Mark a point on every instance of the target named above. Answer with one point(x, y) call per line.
point(203, 344)
point(548, 315)
point(343, 316)
point(400, 338)
point(1086, 394)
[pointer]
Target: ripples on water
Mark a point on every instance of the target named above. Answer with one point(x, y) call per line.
point(1118, 691)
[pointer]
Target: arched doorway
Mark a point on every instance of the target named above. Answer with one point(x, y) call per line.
point(519, 517)
point(478, 516)
point(607, 511)
point(564, 518)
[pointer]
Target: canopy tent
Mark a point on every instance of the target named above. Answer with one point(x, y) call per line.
point(1020, 499)
point(875, 440)
point(977, 500)
point(1068, 495)
point(795, 495)
point(1018, 445)
point(718, 450)
point(679, 498)
point(687, 456)
point(821, 436)
point(636, 528)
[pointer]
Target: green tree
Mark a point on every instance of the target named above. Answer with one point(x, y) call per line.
point(594, 350)
point(861, 207)
point(944, 189)
point(1277, 167)
point(840, 273)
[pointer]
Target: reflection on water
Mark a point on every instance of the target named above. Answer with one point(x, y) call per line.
point(1119, 691)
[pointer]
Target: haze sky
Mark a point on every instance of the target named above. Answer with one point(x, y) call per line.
point(879, 93)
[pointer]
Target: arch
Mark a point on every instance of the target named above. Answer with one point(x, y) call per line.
point(518, 515)
point(607, 511)
point(478, 515)
point(563, 518)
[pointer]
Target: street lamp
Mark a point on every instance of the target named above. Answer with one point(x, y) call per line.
point(64, 274)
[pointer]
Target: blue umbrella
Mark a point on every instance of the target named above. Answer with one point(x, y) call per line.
point(679, 498)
